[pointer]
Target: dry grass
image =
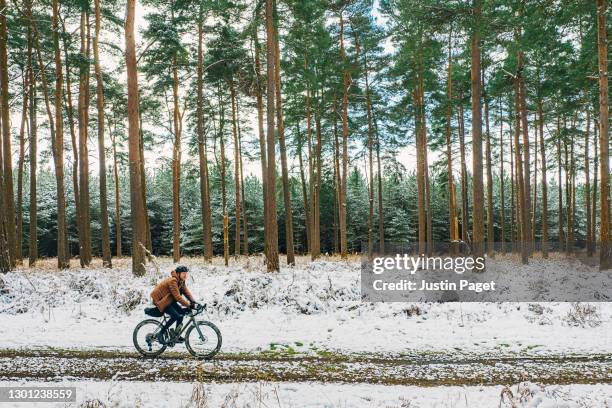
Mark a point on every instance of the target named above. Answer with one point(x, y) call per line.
point(583, 315)
point(94, 403)
point(256, 262)
point(252, 262)
point(50, 264)
point(552, 256)
point(199, 398)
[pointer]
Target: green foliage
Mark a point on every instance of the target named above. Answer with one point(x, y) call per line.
point(392, 42)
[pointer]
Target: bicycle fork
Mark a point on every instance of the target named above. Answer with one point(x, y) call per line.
point(197, 326)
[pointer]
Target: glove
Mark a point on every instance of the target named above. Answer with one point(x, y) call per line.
point(193, 305)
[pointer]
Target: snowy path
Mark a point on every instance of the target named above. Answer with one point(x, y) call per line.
point(312, 306)
point(418, 370)
point(164, 394)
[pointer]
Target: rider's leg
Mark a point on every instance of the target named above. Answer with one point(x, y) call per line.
point(181, 312)
point(175, 315)
point(179, 321)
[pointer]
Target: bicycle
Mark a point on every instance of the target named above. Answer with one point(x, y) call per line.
point(202, 338)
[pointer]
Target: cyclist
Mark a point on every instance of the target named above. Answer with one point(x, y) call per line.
point(166, 297)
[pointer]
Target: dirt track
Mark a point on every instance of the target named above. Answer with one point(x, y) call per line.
point(422, 370)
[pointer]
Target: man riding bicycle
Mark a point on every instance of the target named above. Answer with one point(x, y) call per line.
point(166, 297)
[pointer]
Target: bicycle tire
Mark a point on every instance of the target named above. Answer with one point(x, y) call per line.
point(135, 339)
point(211, 354)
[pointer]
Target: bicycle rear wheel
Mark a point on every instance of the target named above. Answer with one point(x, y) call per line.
point(203, 343)
point(145, 338)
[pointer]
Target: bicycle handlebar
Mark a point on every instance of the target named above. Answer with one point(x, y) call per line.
point(198, 309)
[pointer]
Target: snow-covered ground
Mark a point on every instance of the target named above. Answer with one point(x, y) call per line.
point(311, 306)
point(277, 395)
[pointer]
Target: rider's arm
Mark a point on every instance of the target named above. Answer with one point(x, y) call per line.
point(188, 294)
point(174, 290)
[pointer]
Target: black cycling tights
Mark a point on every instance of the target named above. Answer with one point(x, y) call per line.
point(176, 313)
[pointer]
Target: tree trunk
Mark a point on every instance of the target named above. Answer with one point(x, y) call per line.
point(223, 188)
point(604, 225)
point(544, 182)
point(272, 231)
point(303, 180)
point(490, 215)
point(595, 172)
point(83, 108)
point(5, 261)
point(561, 233)
point(8, 196)
point(261, 133)
point(315, 213)
point(566, 171)
point(528, 234)
point(521, 207)
point(502, 212)
point(421, 146)
point(149, 243)
point(381, 225)
point(571, 219)
point(337, 181)
point(283, 153)
point(346, 87)
point(317, 197)
point(106, 251)
point(517, 206)
point(236, 169)
point(57, 132)
point(587, 186)
point(452, 196)
point(202, 148)
point(33, 209)
point(464, 182)
point(535, 180)
point(370, 155)
point(477, 187)
point(176, 165)
point(428, 219)
point(119, 250)
point(314, 254)
point(513, 215)
point(245, 224)
point(20, 166)
point(139, 231)
point(245, 233)
point(568, 188)
point(73, 139)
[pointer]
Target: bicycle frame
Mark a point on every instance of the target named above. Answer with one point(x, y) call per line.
point(191, 321)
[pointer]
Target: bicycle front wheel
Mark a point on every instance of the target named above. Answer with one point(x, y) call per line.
point(145, 338)
point(205, 342)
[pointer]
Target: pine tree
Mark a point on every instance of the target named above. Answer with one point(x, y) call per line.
point(106, 252)
point(602, 46)
point(139, 232)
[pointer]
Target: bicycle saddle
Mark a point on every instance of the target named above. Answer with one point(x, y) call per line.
point(153, 312)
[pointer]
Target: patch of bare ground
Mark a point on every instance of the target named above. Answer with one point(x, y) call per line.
point(421, 370)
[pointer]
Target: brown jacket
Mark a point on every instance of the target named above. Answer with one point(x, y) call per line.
point(169, 291)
